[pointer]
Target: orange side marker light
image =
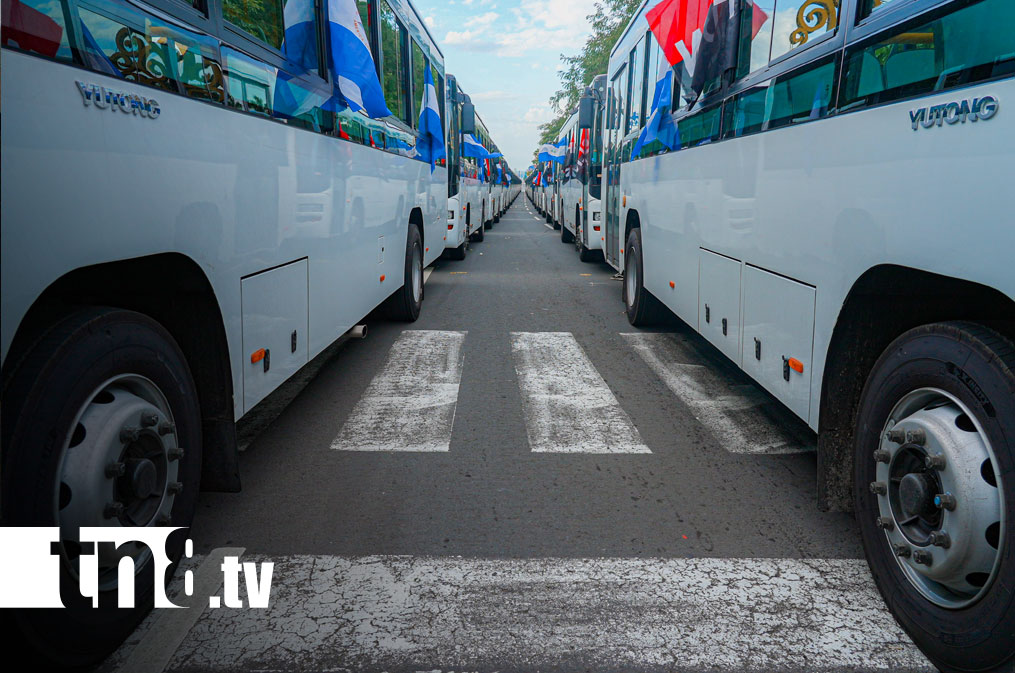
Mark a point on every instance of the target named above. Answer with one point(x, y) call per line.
point(257, 356)
point(796, 365)
point(672, 284)
point(382, 277)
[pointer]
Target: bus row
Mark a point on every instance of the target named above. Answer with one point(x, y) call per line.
point(199, 197)
point(820, 189)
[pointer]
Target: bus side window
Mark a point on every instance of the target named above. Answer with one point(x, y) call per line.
point(393, 58)
point(251, 84)
point(37, 26)
point(955, 46)
point(261, 19)
point(802, 95)
point(774, 28)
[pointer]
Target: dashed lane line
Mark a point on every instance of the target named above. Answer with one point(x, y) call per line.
point(410, 404)
point(568, 406)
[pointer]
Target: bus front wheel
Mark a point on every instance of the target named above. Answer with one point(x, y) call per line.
point(934, 491)
point(101, 428)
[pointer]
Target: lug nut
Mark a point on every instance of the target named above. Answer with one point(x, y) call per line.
point(174, 454)
point(917, 436)
point(113, 510)
point(165, 428)
point(175, 487)
point(879, 487)
point(923, 557)
point(940, 538)
point(945, 501)
point(935, 462)
point(149, 418)
point(129, 433)
point(114, 470)
point(882, 456)
point(895, 436)
point(885, 523)
point(901, 550)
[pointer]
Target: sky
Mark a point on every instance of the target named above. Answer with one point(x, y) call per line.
point(506, 56)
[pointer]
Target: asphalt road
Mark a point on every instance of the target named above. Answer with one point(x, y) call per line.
point(524, 482)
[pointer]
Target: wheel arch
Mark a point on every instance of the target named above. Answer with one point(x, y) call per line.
point(173, 290)
point(884, 302)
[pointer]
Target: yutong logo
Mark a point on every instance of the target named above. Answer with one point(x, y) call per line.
point(30, 576)
point(128, 103)
point(955, 113)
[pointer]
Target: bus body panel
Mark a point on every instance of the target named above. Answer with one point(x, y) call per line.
point(259, 194)
point(789, 200)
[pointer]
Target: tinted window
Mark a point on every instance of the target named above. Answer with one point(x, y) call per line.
point(36, 26)
point(868, 7)
point(262, 19)
point(700, 128)
point(299, 42)
point(773, 28)
point(418, 77)
point(251, 83)
point(634, 119)
point(970, 44)
point(796, 97)
point(393, 55)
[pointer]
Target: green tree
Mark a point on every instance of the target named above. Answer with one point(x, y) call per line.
point(608, 21)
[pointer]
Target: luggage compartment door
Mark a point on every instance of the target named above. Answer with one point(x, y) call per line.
point(779, 336)
point(719, 302)
point(275, 328)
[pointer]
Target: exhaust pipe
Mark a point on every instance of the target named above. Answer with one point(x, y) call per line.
point(357, 332)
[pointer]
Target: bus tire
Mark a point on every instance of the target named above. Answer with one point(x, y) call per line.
point(94, 373)
point(565, 235)
point(587, 255)
point(478, 235)
point(407, 301)
point(954, 382)
point(643, 310)
point(457, 254)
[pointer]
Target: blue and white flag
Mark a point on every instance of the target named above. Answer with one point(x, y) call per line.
point(350, 60)
point(473, 148)
point(299, 42)
point(430, 145)
point(553, 152)
point(500, 173)
point(660, 125)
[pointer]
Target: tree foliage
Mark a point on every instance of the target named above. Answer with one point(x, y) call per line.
point(608, 22)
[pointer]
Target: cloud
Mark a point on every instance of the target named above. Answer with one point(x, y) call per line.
point(482, 21)
point(492, 95)
point(538, 114)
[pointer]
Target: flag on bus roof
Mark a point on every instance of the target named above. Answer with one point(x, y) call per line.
point(350, 60)
point(473, 148)
point(431, 142)
point(660, 125)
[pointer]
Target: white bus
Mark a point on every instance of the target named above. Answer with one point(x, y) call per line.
point(188, 218)
point(835, 218)
point(464, 187)
point(581, 187)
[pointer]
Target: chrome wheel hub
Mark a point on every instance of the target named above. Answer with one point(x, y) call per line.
point(939, 501)
point(417, 274)
point(120, 468)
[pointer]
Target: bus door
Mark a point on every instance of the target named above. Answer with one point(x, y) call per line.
point(614, 134)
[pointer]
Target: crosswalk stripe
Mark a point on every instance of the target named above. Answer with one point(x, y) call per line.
point(410, 404)
point(733, 411)
point(421, 613)
point(568, 406)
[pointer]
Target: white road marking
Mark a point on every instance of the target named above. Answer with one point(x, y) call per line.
point(150, 648)
point(410, 404)
point(733, 411)
point(420, 614)
point(568, 406)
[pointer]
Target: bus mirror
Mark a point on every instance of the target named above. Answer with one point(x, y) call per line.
point(468, 118)
point(585, 112)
